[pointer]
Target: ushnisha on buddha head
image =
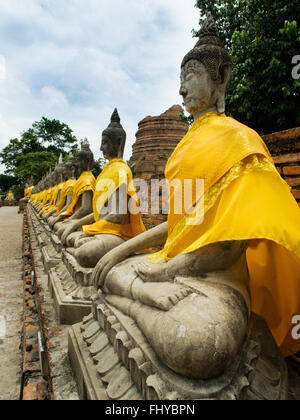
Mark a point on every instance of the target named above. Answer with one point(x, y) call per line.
point(205, 73)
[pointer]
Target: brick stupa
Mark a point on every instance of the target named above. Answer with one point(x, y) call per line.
point(156, 140)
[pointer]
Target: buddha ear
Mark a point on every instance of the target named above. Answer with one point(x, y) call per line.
point(225, 74)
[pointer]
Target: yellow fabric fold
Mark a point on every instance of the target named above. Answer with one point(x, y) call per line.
point(67, 189)
point(54, 197)
point(27, 191)
point(212, 146)
point(116, 173)
point(86, 182)
point(248, 201)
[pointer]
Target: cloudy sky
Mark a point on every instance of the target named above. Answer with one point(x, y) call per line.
point(75, 60)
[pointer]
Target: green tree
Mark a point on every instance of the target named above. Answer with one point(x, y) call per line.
point(98, 167)
point(262, 36)
point(58, 136)
point(50, 136)
point(34, 165)
point(36, 151)
point(6, 182)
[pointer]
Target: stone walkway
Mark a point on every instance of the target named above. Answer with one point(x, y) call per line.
point(11, 302)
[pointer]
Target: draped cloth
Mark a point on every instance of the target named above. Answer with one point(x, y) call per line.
point(244, 199)
point(86, 182)
point(54, 197)
point(116, 173)
point(47, 196)
point(27, 192)
point(67, 189)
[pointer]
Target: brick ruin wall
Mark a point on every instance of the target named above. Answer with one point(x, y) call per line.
point(285, 149)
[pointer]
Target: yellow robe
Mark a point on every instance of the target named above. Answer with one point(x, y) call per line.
point(244, 199)
point(55, 193)
point(86, 182)
point(27, 192)
point(68, 189)
point(116, 173)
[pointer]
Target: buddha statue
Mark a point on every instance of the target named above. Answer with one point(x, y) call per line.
point(108, 225)
point(66, 173)
point(83, 191)
point(52, 192)
point(45, 193)
point(57, 184)
point(233, 251)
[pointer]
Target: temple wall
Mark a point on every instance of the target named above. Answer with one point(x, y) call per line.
point(285, 149)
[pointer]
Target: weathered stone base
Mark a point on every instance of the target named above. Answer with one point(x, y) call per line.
point(69, 285)
point(50, 257)
point(56, 243)
point(68, 311)
point(112, 360)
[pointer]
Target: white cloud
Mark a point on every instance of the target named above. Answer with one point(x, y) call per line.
point(76, 60)
point(2, 68)
point(54, 97)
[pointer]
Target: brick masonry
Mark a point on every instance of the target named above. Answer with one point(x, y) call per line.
point(156, 140)
point(285, 149)
point(56, 381)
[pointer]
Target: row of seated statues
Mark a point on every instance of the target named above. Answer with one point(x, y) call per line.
point(237, 252)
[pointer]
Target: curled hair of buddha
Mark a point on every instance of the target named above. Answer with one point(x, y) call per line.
point(86, 154)
point(210, 50)
point(116, 134)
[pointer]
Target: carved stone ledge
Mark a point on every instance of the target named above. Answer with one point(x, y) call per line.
point(61, 285)
point(71, 289)
point(109, 348)
point(50, 257)
point(56, 242)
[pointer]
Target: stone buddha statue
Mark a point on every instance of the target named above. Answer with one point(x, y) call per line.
point(54, 180)
point(46, 186)
point(108, 226)
point(82, 197)
point(65, 172)
point(192, 299)
point(65, 200)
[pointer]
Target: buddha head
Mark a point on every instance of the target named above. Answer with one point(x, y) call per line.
point(54, 177)
point(69, 168)
point(85, 157)
point(60, 168)
point(113, 139)
point(205, 72)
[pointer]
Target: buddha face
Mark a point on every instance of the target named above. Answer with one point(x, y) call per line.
point(107, 148)
point(197, 88)
point(68, 172)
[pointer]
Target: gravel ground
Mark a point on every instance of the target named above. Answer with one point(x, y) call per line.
point(11, 302)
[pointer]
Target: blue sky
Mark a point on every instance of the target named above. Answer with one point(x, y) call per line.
point(76, 60)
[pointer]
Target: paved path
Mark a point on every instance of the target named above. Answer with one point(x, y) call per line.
point(11, 302)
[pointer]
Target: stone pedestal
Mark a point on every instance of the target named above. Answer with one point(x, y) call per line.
point(70, 286)
point(112, 360)
point(68, 282)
